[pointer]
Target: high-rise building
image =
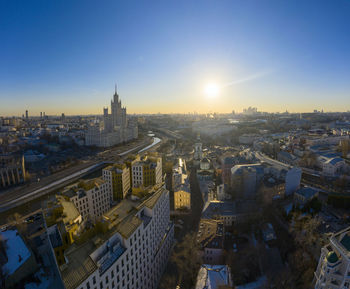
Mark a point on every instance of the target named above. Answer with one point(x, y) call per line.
point(115, 127)
point(334, 263)
point(129, 249)
point(26, 114)
point(118, 177)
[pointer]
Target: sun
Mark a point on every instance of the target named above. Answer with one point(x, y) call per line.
point(212, 90)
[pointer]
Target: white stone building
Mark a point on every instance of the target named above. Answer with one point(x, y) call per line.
point(334, 264)
point(133, 251)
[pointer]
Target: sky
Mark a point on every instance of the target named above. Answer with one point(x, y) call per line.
point(66, 56)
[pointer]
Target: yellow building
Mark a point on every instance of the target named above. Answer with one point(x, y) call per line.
point(63, 222)
point(182, 198)
point(118, 176)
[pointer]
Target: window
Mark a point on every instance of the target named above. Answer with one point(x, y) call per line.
point(94, 280)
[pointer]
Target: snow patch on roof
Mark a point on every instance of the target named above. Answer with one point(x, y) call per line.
point(16, 251)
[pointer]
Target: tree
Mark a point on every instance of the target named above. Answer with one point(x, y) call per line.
point(187, 260)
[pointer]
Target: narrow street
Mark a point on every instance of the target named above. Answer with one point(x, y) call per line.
point(191, 220)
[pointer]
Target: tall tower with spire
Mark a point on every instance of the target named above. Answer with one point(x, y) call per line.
point(115, 126)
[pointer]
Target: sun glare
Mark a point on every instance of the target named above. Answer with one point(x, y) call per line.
point(212, 90)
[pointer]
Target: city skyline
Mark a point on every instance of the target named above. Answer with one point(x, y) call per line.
point(66, 57)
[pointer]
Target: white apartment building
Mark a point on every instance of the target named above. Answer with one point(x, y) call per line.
point(131, 254)
point(92, 198)
point(333, 270)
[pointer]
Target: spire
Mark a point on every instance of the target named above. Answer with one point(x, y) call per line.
point(115, 88)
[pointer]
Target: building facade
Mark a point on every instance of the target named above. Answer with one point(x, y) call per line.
point(181, 186)
point(182, 198)
point(131, 251)
point(118, 177)
point(12, 170)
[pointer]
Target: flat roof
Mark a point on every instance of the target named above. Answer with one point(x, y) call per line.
point(121, 219)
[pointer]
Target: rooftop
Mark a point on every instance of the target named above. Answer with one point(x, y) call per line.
point(213, 276)
point(16, 251)
point(123, 219)
point(118, 168)
point(211, 234)
point(307, 192)
point(220, 208)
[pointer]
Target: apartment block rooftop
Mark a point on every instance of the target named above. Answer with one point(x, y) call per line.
point(118, 168)
point(82, 186)
point(123, 219)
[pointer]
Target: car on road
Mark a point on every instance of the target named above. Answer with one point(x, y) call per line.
point(235, 248)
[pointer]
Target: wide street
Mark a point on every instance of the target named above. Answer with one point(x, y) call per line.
point(22, 194)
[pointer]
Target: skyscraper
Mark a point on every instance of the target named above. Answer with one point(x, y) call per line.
point(115, 127)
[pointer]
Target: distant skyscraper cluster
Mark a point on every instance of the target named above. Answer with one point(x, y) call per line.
point(115, 127)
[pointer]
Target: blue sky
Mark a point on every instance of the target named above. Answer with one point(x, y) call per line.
point(65, 56)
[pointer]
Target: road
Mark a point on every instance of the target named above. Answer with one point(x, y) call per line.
point(20, 195)
point(266, 159)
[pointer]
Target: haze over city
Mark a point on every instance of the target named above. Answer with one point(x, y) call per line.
point(275, 55)
point(175, 144)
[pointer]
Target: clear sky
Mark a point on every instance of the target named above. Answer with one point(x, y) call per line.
point(65, 56)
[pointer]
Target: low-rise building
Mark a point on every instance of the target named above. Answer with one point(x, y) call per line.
point(182, 197)
point(332, 166)
point(210, 237)
point(219, 210)
point(214, 277)
point(181, 186)
point(334, 263)
point(304, 195)
point(12, 170)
